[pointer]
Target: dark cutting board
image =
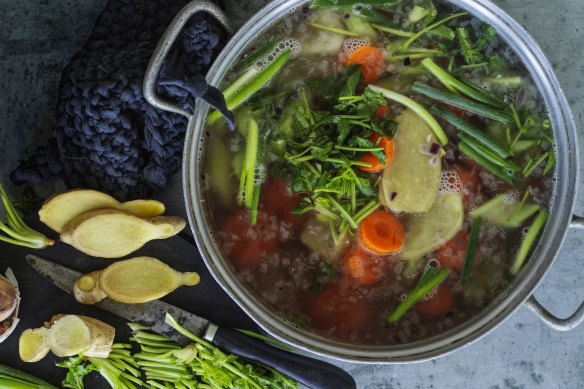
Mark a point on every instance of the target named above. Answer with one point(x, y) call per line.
point(41, 299)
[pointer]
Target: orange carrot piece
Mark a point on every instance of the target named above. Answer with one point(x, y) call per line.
point(370, 59)
point(362, 267)
point(451, 254)
point(382, 111)
point(388, 147)
point(382, 233)
point(438, 304)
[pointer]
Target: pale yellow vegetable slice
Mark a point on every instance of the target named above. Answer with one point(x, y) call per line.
point(110, 233)
point(500, 212)
point(69, 336)
point(61, 208)
point(410, 184)
point(428, 231)
point(132, 281)
point(32, 345)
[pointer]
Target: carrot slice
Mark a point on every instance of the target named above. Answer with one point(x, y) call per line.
point(382, 233)
point(370, 59)
point(362, 267)
point(338, 311)
point(388, 147)
point(249, 242)
point(438, 304)
point(382, 111)
point(451, 254)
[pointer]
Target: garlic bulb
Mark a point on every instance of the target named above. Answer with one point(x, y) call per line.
point(9, 304)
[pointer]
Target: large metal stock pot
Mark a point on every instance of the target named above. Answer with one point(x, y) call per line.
point(520, 290)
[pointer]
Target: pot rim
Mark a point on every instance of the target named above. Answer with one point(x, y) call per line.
point(523, 284)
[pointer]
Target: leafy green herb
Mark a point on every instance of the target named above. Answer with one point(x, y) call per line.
point(471, 249)
point(199, 364)
point(417, 35)
point(119, 369)
point(430, 280)
point(470, 53)
point(16, 230)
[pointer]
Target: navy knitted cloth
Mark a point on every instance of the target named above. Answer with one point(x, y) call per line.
point(107, 137)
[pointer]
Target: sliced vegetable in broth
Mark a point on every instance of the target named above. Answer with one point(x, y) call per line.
point(390, 170)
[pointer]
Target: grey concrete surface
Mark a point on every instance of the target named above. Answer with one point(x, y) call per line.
point(38, 37)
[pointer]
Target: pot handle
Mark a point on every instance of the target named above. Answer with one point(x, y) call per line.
point(164, 45)
point(546, 316)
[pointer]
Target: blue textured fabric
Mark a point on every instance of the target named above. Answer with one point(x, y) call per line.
point(107, 137)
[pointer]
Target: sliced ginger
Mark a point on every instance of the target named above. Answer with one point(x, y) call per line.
point(132, 281)
point(61, 208)
point(67, 335)
point(111, 233)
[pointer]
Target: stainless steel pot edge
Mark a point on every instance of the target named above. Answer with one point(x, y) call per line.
point(567, 175)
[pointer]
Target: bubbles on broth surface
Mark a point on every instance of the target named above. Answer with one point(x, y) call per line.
point(450, 182)
point(292, 44)
point(353, 44)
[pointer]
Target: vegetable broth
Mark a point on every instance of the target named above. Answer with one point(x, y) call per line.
point(314, 158)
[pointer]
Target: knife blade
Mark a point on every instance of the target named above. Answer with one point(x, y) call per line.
point(310, 372)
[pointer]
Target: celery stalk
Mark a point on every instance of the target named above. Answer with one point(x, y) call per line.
point(529, 240)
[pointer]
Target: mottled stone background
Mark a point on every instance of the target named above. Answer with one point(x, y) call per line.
point(38, 37)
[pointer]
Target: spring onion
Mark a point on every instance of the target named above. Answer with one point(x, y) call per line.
point(413, 38)
point(454, 85)
point(493, 168)
point(462, 103)
point(16, 230)
point(11, 378)
point(471, 249)
point(430, 280)
point(469, 130)
point(529, 240)
point(254, 85)
point(417, 108)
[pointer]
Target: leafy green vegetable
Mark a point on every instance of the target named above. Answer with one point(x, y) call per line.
point(471, 249)
point(425, 30)
point(119, 369)
point(347, 3)
point(497, 170)
point(430, 280)
point(199, 364)
point(11, 378)
point(470, 53)
point(16, 230)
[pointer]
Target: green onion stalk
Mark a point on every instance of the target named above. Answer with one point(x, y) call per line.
point(16, 231)
point(199, 364)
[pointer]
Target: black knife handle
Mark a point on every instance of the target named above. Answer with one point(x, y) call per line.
point(310, 372)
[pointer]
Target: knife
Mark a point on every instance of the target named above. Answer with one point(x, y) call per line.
point(310, 372)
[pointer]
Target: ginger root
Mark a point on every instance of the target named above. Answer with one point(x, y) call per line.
point(61, 208)
point(111, 233)
point(67, 335)
point(131, 281)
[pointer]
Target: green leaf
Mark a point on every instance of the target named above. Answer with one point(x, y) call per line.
point(353, 80)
